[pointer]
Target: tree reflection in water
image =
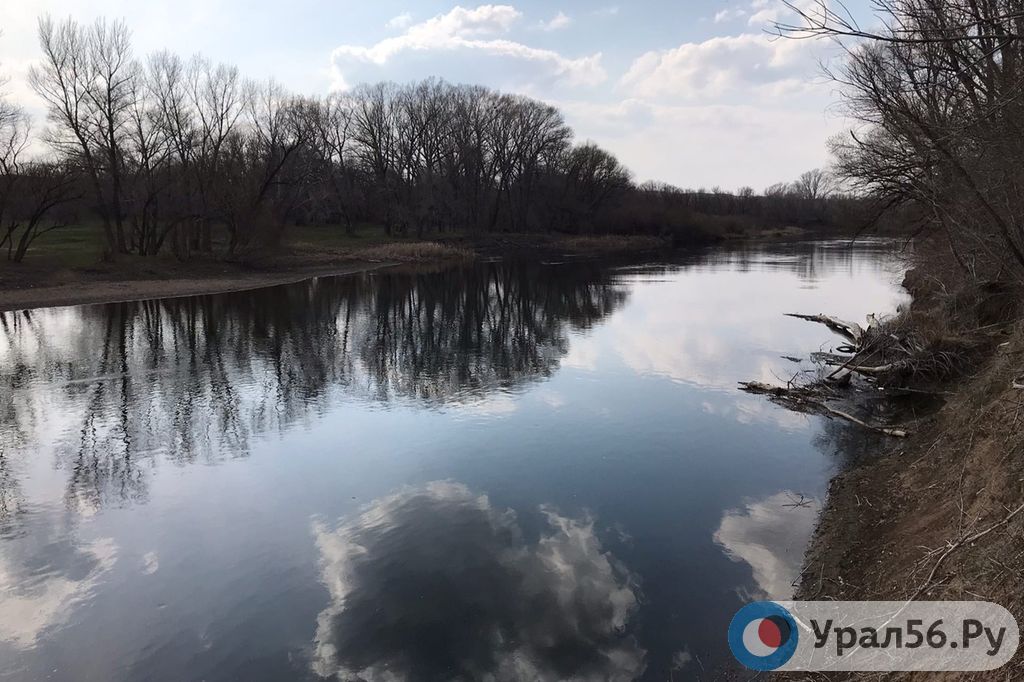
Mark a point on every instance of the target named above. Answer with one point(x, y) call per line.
point(112, 389)
point(385, 382)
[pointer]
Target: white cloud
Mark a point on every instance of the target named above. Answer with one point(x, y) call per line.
point(402, 21)
point(732, 101)
point(764, 12)
point(764, 16)
point(770, 11)
point(445, 31)
point(559, 21)
point(703, 144)
point(718, 66)
point(469, 30)
point(729, 15)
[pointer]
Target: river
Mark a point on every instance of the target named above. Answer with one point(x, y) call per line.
point(508, 470)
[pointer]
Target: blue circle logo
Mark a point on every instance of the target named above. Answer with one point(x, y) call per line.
point(763, 636)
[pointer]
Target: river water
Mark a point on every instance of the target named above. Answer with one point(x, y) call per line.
point(502, 471)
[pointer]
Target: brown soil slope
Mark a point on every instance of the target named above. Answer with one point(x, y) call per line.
point(939, 517)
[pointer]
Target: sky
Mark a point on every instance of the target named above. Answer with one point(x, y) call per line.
point(695, 93)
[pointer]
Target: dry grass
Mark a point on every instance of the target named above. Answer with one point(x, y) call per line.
point(412, 252)
point(610, 243)
point(921, 350)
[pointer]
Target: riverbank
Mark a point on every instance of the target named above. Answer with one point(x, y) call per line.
point(102, 286)
point(938, 515)
point(43, 282)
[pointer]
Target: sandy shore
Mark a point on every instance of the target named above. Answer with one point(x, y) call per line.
point(41, 284)
point(99, 288)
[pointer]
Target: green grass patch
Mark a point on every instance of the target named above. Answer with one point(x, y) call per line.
point(72, 246)
point(82, 245)
point(362, 235)
point(335, 236)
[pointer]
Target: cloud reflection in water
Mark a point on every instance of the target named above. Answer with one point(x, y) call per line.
point(41, 583)
point(434, 583)
point(770, 535)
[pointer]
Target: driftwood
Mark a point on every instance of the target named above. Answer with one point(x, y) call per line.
point(814, 396)
point(840, 378)
point(871, 371)
point(803, 398)
point(764, 389)
point(848, 330)
point(823, 358)
point(888, 431)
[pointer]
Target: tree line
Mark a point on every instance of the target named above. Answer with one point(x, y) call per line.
point(187, 156)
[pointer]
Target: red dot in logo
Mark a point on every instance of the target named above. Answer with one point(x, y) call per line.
point(769, 633)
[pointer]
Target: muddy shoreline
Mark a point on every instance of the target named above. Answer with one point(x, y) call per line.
point(44, 284)
point(101, 288)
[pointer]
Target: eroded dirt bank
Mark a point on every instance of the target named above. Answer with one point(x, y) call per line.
point(939, 515)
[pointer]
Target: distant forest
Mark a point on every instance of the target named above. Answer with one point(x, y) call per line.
point(169, 155)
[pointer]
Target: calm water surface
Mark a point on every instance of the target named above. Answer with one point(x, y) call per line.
point(507, 471)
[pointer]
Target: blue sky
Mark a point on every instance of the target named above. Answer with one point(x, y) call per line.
point(694, 92)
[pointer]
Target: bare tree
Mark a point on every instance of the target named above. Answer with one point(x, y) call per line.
point(86, 79)
point(187, 155)
point(31, 210)
point(14, 139)
point(30, 191)
point(218, 97)
point(936, 89)
point(814, 184)
point(592, 178)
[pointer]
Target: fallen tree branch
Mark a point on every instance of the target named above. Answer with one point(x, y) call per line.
point(848, 330)
point(833, 359)
point(895, 433)
point(874, 371)
point(804, 400)
point(763, 388)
